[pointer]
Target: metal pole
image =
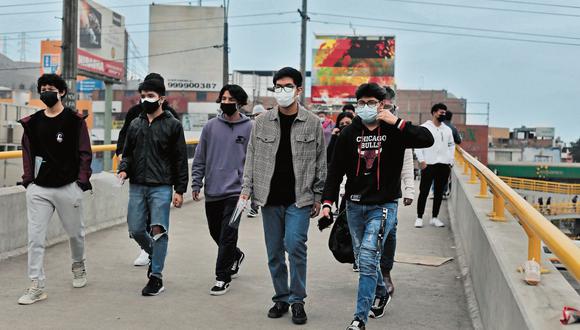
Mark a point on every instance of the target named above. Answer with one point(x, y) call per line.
point(108, 124)
point(304, 16)
point(225, 50)
point(69, 50)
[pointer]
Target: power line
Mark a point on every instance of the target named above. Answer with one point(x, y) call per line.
point(537, 4)
point(30, 4)
point(164, 22)
point(450, 26)
point(111, 7)
point(456, 34)
point(129, 58)
point(441, 4)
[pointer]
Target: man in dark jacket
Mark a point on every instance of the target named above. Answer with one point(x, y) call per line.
point(370, 152)
point(56, 156)
point(154, 159)
point(447, 121)
point(134, 112)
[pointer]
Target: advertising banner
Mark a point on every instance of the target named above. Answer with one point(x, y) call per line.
point(342, 63)
point(50, 56)
point(101, 41)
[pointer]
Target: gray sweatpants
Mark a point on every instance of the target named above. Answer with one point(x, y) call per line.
point(41, 203)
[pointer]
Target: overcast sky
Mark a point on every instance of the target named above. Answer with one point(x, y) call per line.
point(531, 84)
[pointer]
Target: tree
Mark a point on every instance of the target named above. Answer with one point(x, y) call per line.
point(575, 151)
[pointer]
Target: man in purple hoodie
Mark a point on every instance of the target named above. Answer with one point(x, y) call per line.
point(219, 158)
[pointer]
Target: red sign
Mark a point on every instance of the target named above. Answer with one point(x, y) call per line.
point(95, 64)
point(474, 140)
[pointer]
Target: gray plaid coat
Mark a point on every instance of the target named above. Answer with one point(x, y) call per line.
point(308, 157)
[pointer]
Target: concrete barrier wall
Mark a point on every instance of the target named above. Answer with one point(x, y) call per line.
point(492, 252)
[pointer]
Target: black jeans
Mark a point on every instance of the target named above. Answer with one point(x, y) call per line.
point(218, 216)
point(439, 174)
point(388, 256)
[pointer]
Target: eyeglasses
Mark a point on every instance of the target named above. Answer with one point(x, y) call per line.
point(285, 88)
point(370, 103)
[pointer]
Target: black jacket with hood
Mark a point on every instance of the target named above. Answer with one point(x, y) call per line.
point(155, 153)
point(372, 161)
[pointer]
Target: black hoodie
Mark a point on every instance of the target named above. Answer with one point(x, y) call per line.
point(372, 161)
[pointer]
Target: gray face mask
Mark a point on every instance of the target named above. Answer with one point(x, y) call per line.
point(367, 114)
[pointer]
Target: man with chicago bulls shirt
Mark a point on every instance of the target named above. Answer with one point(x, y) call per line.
point(370, 152)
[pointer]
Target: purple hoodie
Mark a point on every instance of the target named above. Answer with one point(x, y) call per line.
point(220, 157)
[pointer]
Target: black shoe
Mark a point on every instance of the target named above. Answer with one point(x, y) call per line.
point(355, 268)
point(356, 325)
point(149, 267)
point(236, 266)
point(280, 308)
point(220, 288)
point(298, 313)
point(153, 287)
point(379, 306)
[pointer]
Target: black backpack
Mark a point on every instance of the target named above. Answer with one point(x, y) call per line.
point(340, 241)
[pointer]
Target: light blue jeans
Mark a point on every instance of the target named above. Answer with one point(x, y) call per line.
point(364, 222)
point(156, 199)
point(286, 230)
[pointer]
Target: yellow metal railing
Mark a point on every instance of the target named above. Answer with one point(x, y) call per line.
point(536, 226)
point(95, 148)
point(542, 186)
point(558, 208)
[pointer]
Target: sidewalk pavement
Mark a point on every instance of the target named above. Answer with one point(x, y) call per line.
point(425, 297)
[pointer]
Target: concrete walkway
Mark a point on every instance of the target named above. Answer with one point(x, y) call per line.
point(425, 297)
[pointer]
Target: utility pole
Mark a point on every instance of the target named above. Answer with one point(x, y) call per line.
point(305, 18)
point(226, 66)
point(69, 50)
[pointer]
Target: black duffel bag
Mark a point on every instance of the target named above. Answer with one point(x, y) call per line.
point(340, 241)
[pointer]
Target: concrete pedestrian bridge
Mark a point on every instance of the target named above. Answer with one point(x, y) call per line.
point(489, 233)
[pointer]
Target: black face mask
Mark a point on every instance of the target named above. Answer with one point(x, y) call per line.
point(150, 107)
point(229, 108)
point(49, 98)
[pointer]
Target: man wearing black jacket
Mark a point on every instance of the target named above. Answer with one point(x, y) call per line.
point(154, 159)
point(370, 152)
point(134, 112)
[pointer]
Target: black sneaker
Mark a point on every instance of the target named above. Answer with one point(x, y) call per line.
point(153, 287)
point(356, 325)
point(379, 306)
point(149, 267)
point(355, 268)
point(280, 308)
point(298, 313)
point(236, 266)
point(220, 288)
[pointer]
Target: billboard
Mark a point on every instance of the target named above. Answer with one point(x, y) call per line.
point(342, 63)
point(50, 51)
point(176, 34)
point(102, 42)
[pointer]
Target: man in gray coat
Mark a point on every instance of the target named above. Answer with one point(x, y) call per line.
point(285, 172)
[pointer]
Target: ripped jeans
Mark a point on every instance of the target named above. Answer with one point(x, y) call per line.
point(364, 222)
point(156, 199)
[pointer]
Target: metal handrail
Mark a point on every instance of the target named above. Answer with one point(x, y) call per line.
point(536, 226)
point(542, 186)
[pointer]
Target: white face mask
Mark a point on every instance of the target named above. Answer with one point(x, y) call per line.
point(285, 99)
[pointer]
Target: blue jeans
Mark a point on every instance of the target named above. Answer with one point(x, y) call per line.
point(364, 222)
point(156, 199)
point(286, 230)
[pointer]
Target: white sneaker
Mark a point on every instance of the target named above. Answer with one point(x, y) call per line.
point(419, 223)
point(436, 222)
point(32, 294)
point(79, 274)
point(142, 259)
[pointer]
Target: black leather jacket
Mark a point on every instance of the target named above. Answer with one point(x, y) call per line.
point(155, 154)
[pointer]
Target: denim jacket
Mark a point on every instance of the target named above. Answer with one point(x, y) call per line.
point(308, 157)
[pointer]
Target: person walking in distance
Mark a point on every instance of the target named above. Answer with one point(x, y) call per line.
point(219, 158)
point(435, 163)
point(155, 162)
point(56, 158)
point(285, 172)
point(132, 113)
point(370, 152)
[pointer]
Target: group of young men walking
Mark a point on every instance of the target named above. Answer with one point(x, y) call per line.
point(278, 160)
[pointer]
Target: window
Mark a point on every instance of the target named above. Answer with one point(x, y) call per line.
point(98, 120)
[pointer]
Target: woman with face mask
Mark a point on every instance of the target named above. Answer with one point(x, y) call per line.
point(343, 120)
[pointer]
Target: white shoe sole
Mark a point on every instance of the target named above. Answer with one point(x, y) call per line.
point(30, 302)
point(79, 285)
point(418, 226)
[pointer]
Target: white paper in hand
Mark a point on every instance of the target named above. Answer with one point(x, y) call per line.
point(237, 214)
